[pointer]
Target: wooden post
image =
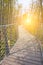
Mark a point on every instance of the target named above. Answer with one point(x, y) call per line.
point(0, 45)
point(6, 41)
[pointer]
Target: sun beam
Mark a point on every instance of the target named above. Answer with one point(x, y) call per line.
point(28, 21)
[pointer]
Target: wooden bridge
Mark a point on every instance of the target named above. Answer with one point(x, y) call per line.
point(26, 51)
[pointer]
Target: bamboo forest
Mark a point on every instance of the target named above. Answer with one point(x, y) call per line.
point(21, 32)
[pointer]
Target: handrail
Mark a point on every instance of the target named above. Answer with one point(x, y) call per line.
point(39, 45)
point(5, 35)
point(6, 25)
point(41, 53)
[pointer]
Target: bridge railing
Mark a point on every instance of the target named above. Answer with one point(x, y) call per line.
point(8, 37)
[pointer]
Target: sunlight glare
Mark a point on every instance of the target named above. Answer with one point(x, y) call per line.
point(28, 21)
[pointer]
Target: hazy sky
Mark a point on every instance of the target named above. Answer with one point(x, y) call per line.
point(25, 3)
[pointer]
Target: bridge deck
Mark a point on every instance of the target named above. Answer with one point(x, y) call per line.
point(26, 51)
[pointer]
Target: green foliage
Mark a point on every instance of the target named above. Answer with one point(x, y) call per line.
point(2, 49)
point(6, 1)
point(11, 35)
